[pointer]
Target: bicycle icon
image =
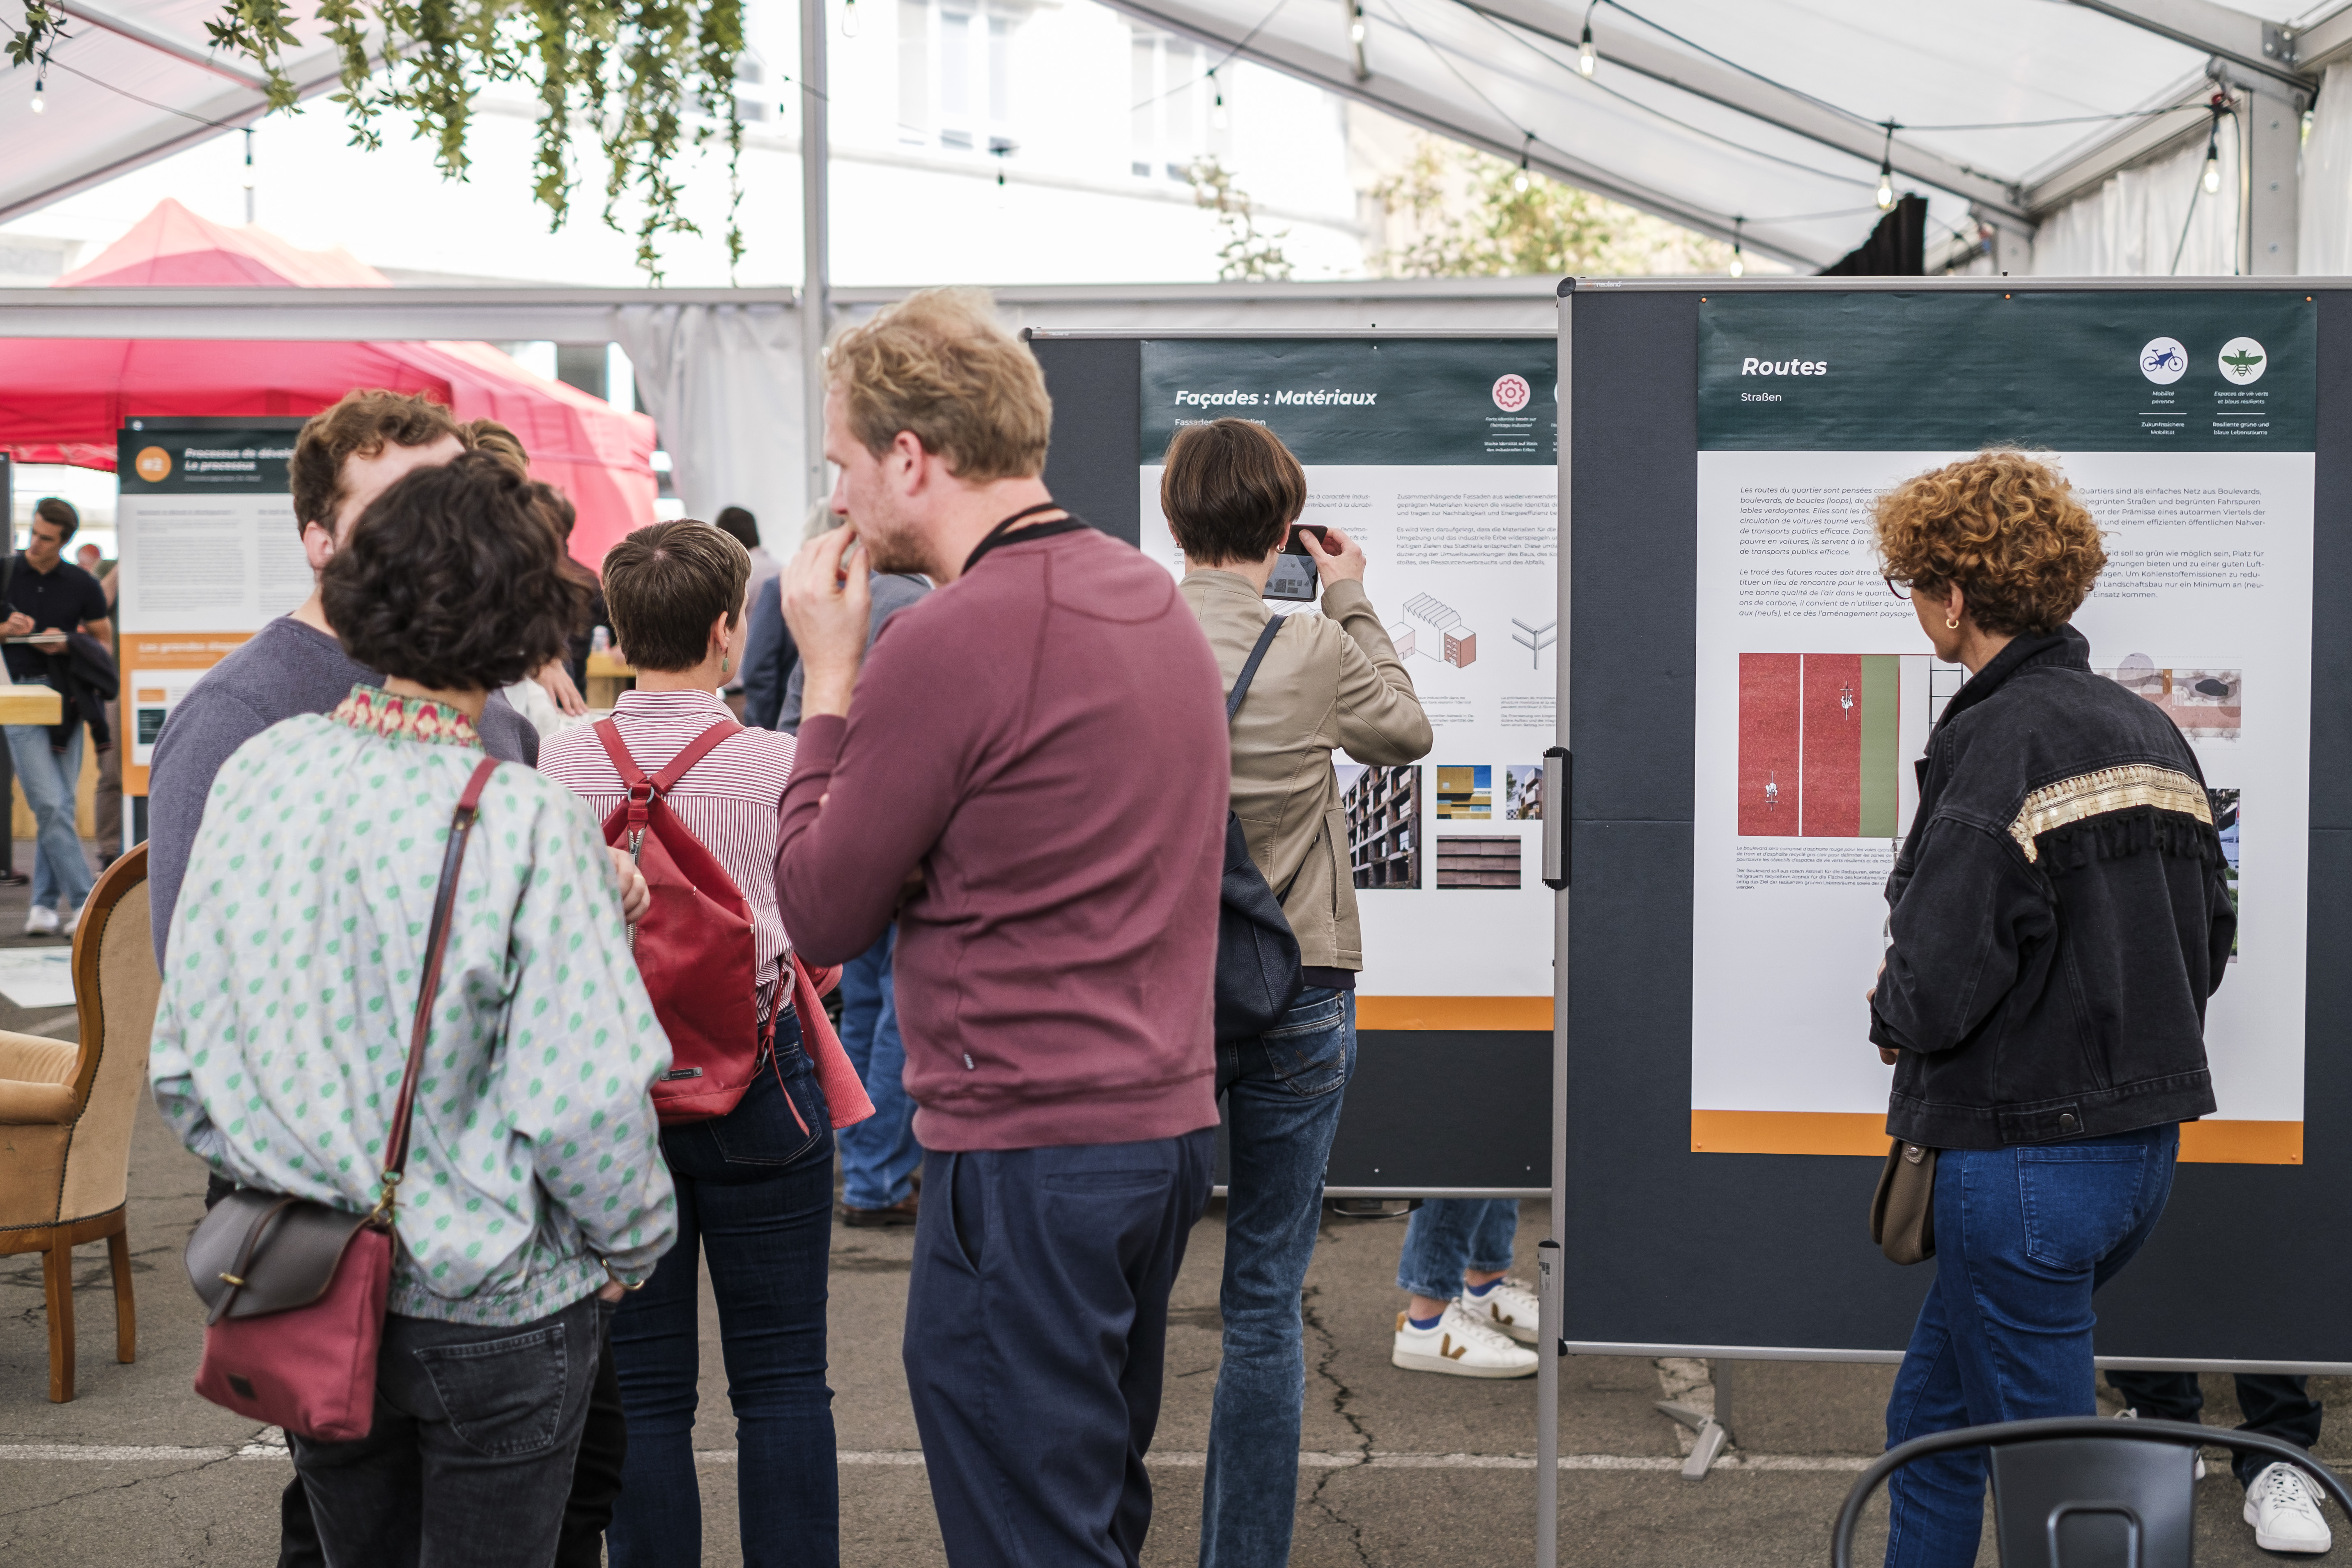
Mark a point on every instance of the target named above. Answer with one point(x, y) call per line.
point(2163, 360)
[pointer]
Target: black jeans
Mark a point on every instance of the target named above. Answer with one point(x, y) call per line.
point(2274, 1405)
point(596, 1474)
point(470, 1459)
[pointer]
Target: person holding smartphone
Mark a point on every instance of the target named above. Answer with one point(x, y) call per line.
point(1232, 493)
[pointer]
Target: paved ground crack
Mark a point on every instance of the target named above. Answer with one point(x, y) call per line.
point(1323, 1353)
point(17, 1513)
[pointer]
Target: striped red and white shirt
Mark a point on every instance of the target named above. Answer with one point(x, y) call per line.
point(728, 800)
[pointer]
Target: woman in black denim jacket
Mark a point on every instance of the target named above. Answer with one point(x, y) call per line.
point(2060, 916)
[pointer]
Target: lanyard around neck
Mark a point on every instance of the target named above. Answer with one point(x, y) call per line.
point(998, 534)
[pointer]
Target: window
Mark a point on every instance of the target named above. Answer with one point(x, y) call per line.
point(957, 82)
point(1175, 122)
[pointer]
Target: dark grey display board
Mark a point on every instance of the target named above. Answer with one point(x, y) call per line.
point(1480, 1125)
point(1753, 1255)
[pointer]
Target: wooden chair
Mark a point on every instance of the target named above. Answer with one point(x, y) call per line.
point(66, 1113)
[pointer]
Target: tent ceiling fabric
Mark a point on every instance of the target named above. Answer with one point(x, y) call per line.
point(1767, 112)
point(94, 123)
point(1759, 117)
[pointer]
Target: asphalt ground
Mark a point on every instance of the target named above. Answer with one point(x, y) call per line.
point(1400, 1467)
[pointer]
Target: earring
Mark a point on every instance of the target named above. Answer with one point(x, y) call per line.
point(1952, 622)
point(724, 663)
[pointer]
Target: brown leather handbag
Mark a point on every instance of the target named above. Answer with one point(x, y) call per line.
point(1902, 1209)
point(295, 1289)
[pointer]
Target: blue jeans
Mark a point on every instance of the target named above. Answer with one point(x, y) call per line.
point(2023, 1235)
point(879, 1155)
point(1037, 1341)
point(1446, 1236)
point(755, 1198)
point(1283, 1092)
point(61, 876)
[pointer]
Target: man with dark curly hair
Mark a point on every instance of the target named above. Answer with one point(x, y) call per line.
point(2060, 914)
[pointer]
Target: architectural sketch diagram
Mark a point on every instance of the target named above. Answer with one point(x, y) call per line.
point(1461, 642)
point(2208, 704)
point(1535, 639)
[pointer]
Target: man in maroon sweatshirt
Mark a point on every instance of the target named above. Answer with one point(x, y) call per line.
point(1034, 761)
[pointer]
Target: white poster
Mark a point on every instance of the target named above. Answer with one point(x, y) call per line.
point(1816, 689)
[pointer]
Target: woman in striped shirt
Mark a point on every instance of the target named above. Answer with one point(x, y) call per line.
point(755, 1186)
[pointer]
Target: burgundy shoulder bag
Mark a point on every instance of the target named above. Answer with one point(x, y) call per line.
point(294, 1291)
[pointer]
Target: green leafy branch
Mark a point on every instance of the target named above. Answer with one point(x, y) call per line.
point(1247, 256)
point(633, 72)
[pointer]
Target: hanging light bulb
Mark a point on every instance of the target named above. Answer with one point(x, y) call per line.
point(850, 18)
point(1519, 180)
point(2213, 158)
point(1586, 59)
point(1217, 120)
point(1887, 172)
point(1738, 266)
point(39, 105)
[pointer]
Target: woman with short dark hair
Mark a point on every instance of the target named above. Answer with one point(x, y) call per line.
point(1231, 491)
point(534, 1188)
point(754, 1185)
point(2060, 914)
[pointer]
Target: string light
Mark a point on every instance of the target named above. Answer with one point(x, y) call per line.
point(850, 18)
point(38, 106)
point(1519, 180)
point(1587, 59)
point(1887, 172)
point(1217, 107)
point(1738, 266)
point(2213, 151)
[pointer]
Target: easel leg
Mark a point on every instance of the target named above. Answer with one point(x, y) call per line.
point(1713, 1427)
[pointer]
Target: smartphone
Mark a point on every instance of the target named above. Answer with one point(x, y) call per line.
point(1294, 577)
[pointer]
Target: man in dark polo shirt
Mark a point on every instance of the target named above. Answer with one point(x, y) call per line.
point(48, 596)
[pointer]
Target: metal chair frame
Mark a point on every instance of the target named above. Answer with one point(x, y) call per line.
point(2009, 1434)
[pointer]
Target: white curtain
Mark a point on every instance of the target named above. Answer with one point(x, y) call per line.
point(2138, 221)
point(2324, 223)
point(723, 385)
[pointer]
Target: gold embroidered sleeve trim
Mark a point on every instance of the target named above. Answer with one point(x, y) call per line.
point(2110, 789)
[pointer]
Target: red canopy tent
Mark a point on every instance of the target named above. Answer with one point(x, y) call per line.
point(62, 399)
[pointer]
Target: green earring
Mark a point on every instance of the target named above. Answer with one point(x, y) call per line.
point(724, 663)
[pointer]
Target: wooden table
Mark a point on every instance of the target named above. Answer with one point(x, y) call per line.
point(30, 705)
point(608, 676)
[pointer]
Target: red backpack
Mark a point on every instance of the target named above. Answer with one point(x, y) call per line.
point(693, 948)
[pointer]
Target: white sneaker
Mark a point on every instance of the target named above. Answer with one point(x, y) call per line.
point(66, 926)
point(40, 920)
point(2285, 1517)
point(1510, 1306)
point(1459, 1344)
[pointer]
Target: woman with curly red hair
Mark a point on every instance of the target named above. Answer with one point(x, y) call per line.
point(2058, 916)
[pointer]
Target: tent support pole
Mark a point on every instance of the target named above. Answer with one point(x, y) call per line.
point(816, 274)
point(1559, 865)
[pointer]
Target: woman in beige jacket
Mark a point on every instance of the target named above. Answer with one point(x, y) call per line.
point(1329, 682)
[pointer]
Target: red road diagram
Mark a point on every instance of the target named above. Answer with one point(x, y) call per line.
point(1770, 702)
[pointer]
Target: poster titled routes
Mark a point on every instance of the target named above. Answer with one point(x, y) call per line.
point(210, 555)
point(2185, 422)
point(1438, 456)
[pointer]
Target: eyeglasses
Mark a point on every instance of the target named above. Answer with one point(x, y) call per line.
point(1903, 592)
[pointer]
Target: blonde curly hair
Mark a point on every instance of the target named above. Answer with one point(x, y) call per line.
point(939, 363)
point(2005, 529)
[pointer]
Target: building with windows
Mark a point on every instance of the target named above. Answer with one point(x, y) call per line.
point(1383, 811)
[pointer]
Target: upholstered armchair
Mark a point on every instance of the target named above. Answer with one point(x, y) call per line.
point(66, 1113)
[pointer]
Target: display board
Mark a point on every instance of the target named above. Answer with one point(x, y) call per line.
point(1437, 454)
point(1747, 696)
point(210, 555)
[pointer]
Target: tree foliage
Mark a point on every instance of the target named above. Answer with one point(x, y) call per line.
point(630, 73)
point(1247, 256)
point(1460, 212)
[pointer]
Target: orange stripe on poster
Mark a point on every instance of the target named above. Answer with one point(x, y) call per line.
point(1854, 1133)
point(1453, 1013)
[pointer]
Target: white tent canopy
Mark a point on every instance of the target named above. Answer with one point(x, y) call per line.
point(1759, 121)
